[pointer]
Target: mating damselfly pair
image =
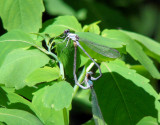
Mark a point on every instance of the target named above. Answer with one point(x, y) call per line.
point(103, 50)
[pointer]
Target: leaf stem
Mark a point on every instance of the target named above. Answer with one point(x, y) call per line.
point(65, 116)
point(54, 56)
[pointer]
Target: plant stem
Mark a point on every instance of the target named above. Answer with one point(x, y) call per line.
point(54, 56)
point(65, 116)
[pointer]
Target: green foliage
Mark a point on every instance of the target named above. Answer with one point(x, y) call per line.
point(49, 116)
point(18, 64)
point(13, 40)
point(36, 75)
point(125, 90)
point(14, 117)
point(60, 99)
point(62, 23)
point(45, 74)
point(148, 121)
point(15, 14)
point(139, 54)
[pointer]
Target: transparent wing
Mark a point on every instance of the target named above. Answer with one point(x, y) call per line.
point(97, 114)
point(103, 50)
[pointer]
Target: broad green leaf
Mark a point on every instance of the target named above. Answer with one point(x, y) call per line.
point(45, 74)
point(148, 120)
point(134, 49)
point(124, 96)
point(62, 23)
point(25, 15)
point(18, 117)
point(19, 64)
point(150, 44)
point(49, 116)
point(93, 28)
point(58, 96)
point(13, 40)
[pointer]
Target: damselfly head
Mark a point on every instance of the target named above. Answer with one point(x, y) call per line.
point(66, 31)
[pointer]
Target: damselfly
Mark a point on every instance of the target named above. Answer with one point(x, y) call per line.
point(103, 50)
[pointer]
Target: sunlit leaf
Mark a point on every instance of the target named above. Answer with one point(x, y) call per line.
point(62, 23)
point(18, 117)
point(148, 121)
point(58, 96)
point(93, 28)
point(13, 40)
point(134, 49)
point(150, 44)
point(49, 116)
point(19, 64)
point(45, 74)
point(25, 15)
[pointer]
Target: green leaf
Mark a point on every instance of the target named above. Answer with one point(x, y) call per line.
point(27, 92)
point(14, 101)
point(150, 44)
point(18, 117)
point(93, 28)
point(13, 40)
point(49, 116)
point(25, 15)
point(19, 64)
point(134, 49)
point(58, 96)
point(3, 96)
point(124, 96)
point(62, 23)
point(66, 56)
point(45, 74)
point(148, 120)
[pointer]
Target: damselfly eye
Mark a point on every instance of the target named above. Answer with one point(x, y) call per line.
point(66, 31)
